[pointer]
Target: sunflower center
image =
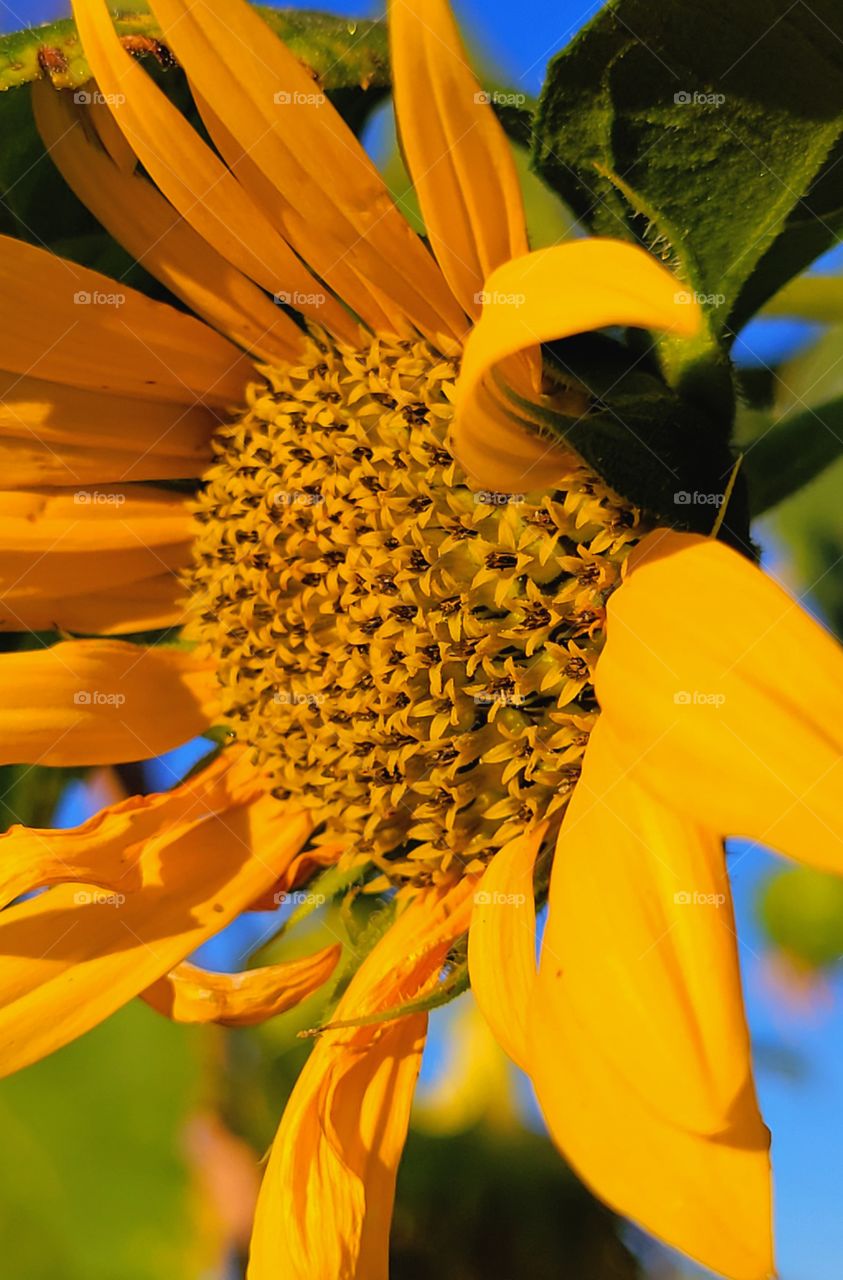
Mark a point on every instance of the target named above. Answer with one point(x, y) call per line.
point(408, 656)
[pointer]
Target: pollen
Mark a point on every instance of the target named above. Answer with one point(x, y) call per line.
point(408, 657)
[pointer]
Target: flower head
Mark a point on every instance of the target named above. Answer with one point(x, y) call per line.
point(415, 616)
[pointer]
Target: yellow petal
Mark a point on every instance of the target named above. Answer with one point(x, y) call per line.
point(109, 539)
point(726, 697)
point(59, 435)
point(331, 199)
point(75, 326)
point(191, 994)
point(140, 219)
point(637, 1039)
point(327, 1194)
point(710, 1197)
point(642, 936)
point(456, 151)
point(73, 955)
point(184, 168)
point(552, 293)
point(149, 604)
point(502, 943)
point(101, 702)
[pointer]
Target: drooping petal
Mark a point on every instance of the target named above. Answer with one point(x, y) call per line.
point(57, 435)
point(75, 326)
point(725, 697)
point(73, 954)
point(191, 994)
point(140, 219)
point(709, 1197)
point(326, 1200)
point(60, 543)
point(502, 943)
point(187, 171)
point(331, 202)
point(101, 702)
point(456, 151)
point(551, 293)
point(637, 1040)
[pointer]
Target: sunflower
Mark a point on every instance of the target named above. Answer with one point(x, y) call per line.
point(446, 664)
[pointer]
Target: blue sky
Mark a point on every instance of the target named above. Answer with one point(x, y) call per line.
point(804, 1111)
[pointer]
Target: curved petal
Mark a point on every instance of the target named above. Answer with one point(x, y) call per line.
point(101, 702)
point(456, 151)
point(332, 200)
point(552, 293)
point(190, 994)
point(637, 1040)
point(709, 1197)
point(641, 939)
point(140, 219)
point(726, 697)
point(72, 955)
point(502, 943)
point(185, 169)
point(326, 1199)
point(77, 327)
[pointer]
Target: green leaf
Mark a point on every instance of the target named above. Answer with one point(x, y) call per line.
point(696, 127)
point(94, 1183)
point(818, 299)
point(342, 53)
point(802, 435)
